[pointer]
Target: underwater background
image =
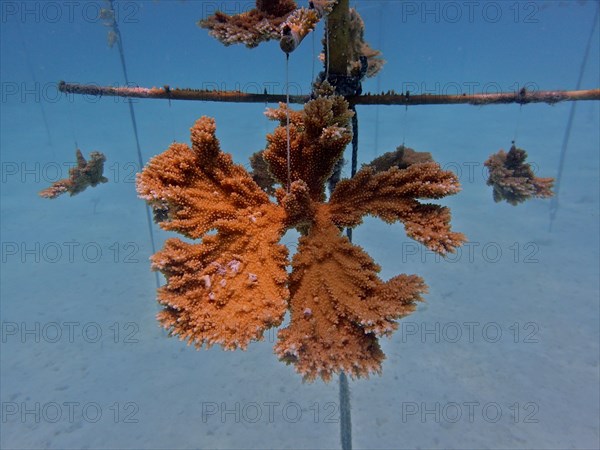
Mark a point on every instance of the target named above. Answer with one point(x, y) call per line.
point(503, 354)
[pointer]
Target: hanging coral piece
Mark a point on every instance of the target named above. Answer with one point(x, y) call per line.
point(270, 20)
point(363, 60)
point(402, 157)
point(301, 22)
point(361, 50)
point(318, 136)
point(108, 20)
point(84, 174)
point(260, 24)
point(512, 178)
point(231, 286)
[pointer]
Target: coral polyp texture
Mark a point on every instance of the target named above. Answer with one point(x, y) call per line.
point(301, 22)
point(513, 179)
point(84, 174)
point(232, 284)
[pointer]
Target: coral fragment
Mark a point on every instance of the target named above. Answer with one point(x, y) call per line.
point(84, 174)
point(260, 24)
point(513, 179)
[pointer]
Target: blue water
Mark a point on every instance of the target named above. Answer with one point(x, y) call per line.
point(504, 353)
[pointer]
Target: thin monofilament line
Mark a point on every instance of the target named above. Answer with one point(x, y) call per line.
point(405, 125)
point(117, 32)
point(287, 118)
point(72, 124)
point(518, 124)
point(377, 108)
point(567, 135)
point(327, 48)
point(35, 82)
point(312, 74)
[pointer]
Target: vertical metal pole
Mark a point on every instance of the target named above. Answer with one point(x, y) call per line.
point(338, 38)
point(338, 31)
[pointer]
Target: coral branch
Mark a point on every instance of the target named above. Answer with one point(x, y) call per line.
point(512, 178)
point(335, 320)
point(430, 225)
point(84, 174)
point(299, 207)
point(228, 289)
point(301, 22)
point(260, 24)
point(199, 189)
point(318, 135)
point(391, 196)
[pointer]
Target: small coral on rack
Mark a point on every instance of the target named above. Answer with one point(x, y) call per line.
point(260, 24)
point(512, 178)
point(269, 20)
point(84, 174)
point(233, 285)
point(301, 22)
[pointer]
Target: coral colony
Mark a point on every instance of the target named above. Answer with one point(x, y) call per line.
point(232, 286)
point(231, 283)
